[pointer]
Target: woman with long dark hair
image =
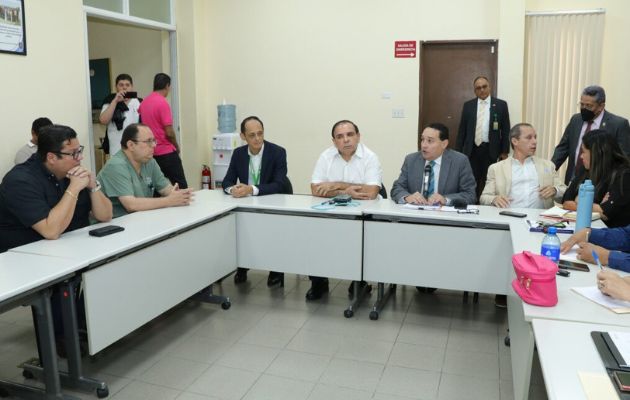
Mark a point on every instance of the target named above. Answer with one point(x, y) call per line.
point(608, 168)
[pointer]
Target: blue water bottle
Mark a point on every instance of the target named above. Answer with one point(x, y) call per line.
point(585, 205)
point(550, 247)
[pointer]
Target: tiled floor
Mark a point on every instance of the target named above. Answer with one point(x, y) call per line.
point(273, 345)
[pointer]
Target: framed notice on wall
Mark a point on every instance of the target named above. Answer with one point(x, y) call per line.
point(12, 27)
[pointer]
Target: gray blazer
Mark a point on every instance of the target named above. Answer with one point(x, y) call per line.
point(567, 147)
point(456, 179)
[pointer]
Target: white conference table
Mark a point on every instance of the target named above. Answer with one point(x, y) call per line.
point(178, 251)
point(285, 234)
point(571, 307)
point(173, 252)
point(566, 348)
point(439, 249)
point(25, 279)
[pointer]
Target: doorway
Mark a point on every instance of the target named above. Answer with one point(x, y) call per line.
point(447, 71)
point(137, 47)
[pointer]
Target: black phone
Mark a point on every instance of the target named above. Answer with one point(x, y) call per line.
point(106, 230)
point(566, 264)
point(623, 380)
point(513, 214)
point(131, 95)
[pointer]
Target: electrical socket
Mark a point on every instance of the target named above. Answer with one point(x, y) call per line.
point(398, 113)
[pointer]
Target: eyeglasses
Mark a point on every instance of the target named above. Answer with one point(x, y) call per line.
point(481, 87)
point(150, 142)
point(75, 154)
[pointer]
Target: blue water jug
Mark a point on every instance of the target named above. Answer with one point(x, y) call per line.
point(585, 205)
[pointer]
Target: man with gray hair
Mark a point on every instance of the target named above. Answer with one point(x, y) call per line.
point(522, 180)
point(592, 116)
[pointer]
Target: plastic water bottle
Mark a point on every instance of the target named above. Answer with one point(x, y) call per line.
point(550, 247)
point(585, 205)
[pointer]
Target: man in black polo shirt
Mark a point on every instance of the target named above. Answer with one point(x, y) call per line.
point(50, 193)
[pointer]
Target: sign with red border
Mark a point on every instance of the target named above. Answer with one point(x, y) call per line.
point(405, 49)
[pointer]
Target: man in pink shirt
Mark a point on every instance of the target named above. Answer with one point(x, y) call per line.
point(156, 113)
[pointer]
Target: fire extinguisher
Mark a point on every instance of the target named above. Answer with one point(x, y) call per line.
point(206, 181)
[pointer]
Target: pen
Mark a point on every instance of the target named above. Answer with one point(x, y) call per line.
point(596, 258)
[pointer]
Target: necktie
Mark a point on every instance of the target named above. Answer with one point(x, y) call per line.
point(481, 112)
point(431, 187)
point(578, 162)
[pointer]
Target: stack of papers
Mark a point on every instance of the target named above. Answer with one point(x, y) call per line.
point(561, 213)
point(437, 208)
point(594, 294)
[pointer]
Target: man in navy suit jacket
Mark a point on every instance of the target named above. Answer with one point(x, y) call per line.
point(484, 140)
point(260, 168)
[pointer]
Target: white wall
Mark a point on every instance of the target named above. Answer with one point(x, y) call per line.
point(49, 81)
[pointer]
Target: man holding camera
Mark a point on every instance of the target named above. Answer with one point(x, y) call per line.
point(119, 110)
point(348, 167)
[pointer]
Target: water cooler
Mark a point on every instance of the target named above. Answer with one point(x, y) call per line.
point(224, 143)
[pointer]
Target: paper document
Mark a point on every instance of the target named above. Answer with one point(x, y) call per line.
point(593, 293)
point(561, 213)
point(622, 343)
point(419, 207)
point(571, 255)
point(437, 208)
point(597, 386)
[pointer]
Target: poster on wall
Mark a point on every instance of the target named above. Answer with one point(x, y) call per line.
point(12, 30)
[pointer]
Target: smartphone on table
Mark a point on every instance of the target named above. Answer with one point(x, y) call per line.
point(576, 266)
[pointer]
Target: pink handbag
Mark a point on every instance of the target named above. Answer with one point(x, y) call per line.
point(535, 280)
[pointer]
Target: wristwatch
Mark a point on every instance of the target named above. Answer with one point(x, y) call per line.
point(96, 188)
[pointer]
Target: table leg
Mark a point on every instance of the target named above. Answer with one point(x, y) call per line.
point(73, 378)
point(46, 347)
point(521, 347)
point(382, 296)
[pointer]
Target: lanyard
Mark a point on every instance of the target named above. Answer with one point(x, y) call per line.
point(255, 174)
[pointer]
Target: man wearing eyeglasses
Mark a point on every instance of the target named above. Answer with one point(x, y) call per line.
point(483, 130)
point(592, 116)
point(50, 193)
point(132, 176)
point(256, 169)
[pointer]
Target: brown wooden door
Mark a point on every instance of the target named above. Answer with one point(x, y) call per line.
point(447, 71)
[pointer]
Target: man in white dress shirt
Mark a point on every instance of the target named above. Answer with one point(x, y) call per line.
point(347, 167)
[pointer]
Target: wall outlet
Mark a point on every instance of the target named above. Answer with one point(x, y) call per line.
point(398, 113)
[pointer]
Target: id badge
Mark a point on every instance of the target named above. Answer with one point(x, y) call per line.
point(495, 126)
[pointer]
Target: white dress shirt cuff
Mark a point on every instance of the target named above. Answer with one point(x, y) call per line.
point(255, 190)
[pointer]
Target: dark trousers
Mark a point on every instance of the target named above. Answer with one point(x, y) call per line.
point(480, 161)
point(171, 166)
point(317, 280)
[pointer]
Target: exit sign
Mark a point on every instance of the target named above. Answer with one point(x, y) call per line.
point(405, 49)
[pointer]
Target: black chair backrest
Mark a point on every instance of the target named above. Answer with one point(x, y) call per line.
point(383, 191)
point(288, 187)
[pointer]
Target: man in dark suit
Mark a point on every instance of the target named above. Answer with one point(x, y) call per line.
point(484, 128)
point(449, 179)
point(261, 168)
point(592, 116)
